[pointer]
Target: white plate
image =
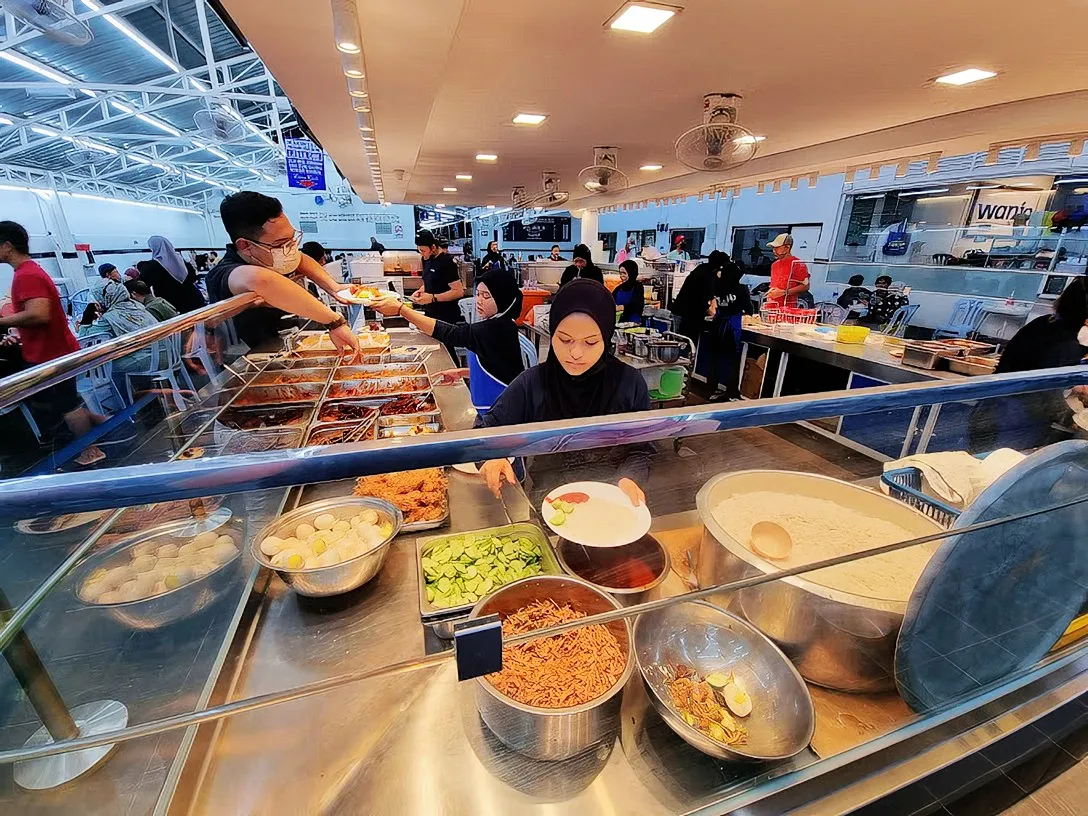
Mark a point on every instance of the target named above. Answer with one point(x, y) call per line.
point(608, 519)
point(60, 523)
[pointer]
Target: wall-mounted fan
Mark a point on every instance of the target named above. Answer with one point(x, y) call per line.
point(215, 124)
point(548, 198)
point(719, 143)
point(54, 19)
point(604, 176)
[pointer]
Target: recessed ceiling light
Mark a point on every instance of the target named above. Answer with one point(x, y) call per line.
point(347, 47)
point(491, 206)
point(463, 177)
point(449, 189)
point(486, 157)
point(366, 128)
point(354, 73)
point(966, 76)
point(643, 18)
point(749, 139)
point(360, 106)
point(357, 93)
point(650, 167)
point(529, 118)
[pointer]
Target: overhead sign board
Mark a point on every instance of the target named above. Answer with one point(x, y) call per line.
point(305, 164)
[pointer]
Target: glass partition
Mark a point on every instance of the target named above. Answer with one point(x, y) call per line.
point(279, 624)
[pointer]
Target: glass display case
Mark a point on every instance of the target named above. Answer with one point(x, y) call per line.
point(309, 614)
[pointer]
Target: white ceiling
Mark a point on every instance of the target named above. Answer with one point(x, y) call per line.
point(828, 84)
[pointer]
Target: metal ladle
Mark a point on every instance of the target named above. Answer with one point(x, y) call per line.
point(771, 540)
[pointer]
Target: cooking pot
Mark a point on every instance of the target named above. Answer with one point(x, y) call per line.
point(665, 351)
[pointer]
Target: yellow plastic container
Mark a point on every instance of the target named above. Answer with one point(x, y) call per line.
point(852, 334)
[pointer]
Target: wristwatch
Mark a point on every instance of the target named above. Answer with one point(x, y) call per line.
point(335, 324)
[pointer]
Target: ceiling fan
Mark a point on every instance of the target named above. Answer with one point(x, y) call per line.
point(719, 143)
point(604, 176)
point(56, 20)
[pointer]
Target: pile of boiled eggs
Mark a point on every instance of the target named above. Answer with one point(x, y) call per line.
point(328, 540)
point(155, 567)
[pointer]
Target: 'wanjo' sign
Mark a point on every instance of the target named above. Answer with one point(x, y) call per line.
point(305, 164)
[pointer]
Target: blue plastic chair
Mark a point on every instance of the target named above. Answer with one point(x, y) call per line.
point(483, 388)
point(967, 314)
point(528, 351)
point(897, 326)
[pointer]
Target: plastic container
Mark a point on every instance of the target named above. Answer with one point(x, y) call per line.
point(671, 383)
point(852, 334)
point(531, 298)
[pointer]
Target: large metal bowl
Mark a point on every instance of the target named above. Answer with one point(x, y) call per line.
point(598, 562)
point(552, 733)
point(836, 639)
point(168, 607)
point(709, 640)
point(321, 582)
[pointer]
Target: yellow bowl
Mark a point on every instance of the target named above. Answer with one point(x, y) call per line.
point(852, 334)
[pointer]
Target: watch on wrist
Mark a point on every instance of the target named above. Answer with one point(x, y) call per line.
point(336, 323)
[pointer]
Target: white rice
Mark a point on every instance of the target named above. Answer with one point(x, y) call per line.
point(822, 529)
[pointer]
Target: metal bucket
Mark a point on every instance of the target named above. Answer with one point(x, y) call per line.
point(836, 639)
point(553, 733)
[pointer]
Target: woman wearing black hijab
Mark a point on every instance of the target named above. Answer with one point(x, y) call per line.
point(692, 303)
point(582, 267)
point(493, 259)
point(629, 295)
point(181, 294)
point(581, 378)
point(493, 338)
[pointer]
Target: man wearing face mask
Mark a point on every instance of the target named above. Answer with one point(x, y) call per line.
point(264, 251)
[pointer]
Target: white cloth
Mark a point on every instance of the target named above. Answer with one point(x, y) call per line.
point(957, 477)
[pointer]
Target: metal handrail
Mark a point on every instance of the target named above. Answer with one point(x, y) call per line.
point(18, 387)
point(113, 487)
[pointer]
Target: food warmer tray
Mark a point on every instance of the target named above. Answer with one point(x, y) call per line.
point(398, 431)
point(307, 376)
point(928, 356)
point(973, 365)
point(326, 412)
point(279, 394)
point(333, 433)
point(444, 619)
point(968, 347)
point(278, 416)
point(373, 388)
point(365, 372)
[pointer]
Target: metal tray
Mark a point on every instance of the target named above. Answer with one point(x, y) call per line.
point(968, 347)
point(927, 355)
point(305, 376)
point(370, 416)
point(331, 433)
point(443, 619)
point(973, 366)
point(375, 387)
point(265, 439)
point(366, 372)
point(401, 420)
point(280, 416)
point(419, 526)
point(279, 394)
point(394, 431)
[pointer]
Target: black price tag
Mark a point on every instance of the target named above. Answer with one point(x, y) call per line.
point(478, 646)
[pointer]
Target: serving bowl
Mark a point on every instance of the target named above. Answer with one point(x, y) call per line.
point(320, 582)
point(708, 640)
point(601, 567)
point(553, 733)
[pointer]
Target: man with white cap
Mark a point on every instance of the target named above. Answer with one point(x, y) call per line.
point(789, 275)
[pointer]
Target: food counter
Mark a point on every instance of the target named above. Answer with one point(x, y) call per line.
point(351, 703)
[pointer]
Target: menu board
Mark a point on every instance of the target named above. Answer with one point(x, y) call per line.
point(305, 164)
point(546, 229)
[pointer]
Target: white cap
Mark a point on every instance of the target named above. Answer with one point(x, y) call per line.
point(784, 238)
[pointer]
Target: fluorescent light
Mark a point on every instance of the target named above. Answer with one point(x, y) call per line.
point(366, 128)
point(5, 121)
point(643, 18)
point(138, 159)
point(357, 93)
point(491, 206)
point(143, 117)
point(88, 92)
point(529, 118)
point(481, 157)
point(983, 187)
point(198, 84)
point(218, 153)
point(1072, 181)
point(360, 106)
point(449, 189)
point(965, 77)
point(37, 69)
point(93, 145)
point(257, 132)
point(923, 192)
point(347, 47)
point(650, 167)
point(353, 73)
point(136, 37)
point(120, 106)
point(256, 172)
point(44, 131)
point(743, 140)
point(463, 177)
point(868, 197)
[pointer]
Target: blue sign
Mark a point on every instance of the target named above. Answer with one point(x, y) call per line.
point(305, 164)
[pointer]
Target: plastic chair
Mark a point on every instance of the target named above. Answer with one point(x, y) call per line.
point(80, 301)
point(967, 314)
point(29, 417)
point(92, 384)
point(528, 351)
point(897, 326)
point(483, 388)
point(831, 313)
point(468, 309)
point(165, 363)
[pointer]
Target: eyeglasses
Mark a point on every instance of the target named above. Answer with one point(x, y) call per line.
point(294, 240)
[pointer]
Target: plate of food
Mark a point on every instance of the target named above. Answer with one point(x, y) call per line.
point(594, 514)
point(364, 295)
point(420, 495)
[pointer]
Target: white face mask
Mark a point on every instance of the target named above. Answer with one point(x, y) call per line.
point(1082, 336)
point(285, 260)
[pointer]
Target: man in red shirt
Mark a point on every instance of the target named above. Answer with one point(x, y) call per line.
point(789, 275)
point(44, 335)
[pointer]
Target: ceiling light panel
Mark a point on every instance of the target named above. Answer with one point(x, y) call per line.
point(650, 167)
point(486, 157)
point(966, 76)
point(463, 177)
point(641, 18)
point(533, 119)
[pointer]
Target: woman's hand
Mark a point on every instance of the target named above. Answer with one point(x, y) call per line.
point(632, 491)
point(495, 470)
point(451, 376)
point(386, 306)
point(422, 298)
point(347, 344)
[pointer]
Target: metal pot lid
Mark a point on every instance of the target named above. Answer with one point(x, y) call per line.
point(993, 602)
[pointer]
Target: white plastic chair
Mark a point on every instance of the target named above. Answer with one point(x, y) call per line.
point(528, 351)
point(29, 417)
point(165, 364)
point(99, 381)
point(468, 309)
